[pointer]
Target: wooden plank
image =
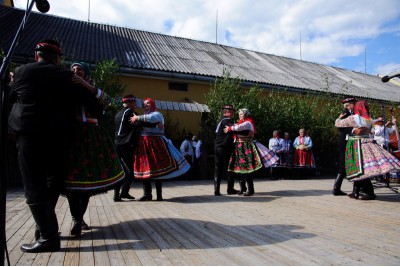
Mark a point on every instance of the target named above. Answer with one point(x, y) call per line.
point(99, 247)
point(111, 246)
point(139, 226)
point(129, 255)
point(64, 222)
point(286, 222)
point(165, 242)
point(86, 255)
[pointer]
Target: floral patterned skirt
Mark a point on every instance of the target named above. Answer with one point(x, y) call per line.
point(157, 158)
point(375, 160)
point(245, 158)
point(94, 166)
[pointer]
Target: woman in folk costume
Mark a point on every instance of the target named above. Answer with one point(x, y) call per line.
point(155, 157)
point(94, 166)
point(248, 155)
point(364, 158)
point(303, 156)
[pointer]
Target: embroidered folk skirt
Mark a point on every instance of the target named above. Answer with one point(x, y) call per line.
point(157, 158)
point(365, 159)
point(245, 158)
point(94, 166)
point(303, 159)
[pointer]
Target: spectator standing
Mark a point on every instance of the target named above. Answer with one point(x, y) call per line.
point(276, 146)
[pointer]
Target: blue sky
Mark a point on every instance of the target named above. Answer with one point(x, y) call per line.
point(341, 33)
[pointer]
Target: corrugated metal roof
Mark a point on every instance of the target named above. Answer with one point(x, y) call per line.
point(141, 50)
point(178, 106)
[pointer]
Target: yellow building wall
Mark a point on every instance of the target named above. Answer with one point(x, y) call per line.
point(143, 87)
point(9, 3)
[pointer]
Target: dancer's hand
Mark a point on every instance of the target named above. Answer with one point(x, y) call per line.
point(134, 119)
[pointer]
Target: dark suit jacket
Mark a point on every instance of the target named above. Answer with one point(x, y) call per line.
point(222, 139)
point(124, 130)
point(45, 98)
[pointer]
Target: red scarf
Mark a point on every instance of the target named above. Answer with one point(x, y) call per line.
point(361, 108)
point(152, 105)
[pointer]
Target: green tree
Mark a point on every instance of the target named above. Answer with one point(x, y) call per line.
point(106, 77)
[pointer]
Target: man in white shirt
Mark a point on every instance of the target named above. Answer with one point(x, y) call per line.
point(382, 132)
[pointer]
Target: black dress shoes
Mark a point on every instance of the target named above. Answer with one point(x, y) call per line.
point(146, 198)
point(127, 196)
point(353, 195)
point(368, 197)
point(85, 226)
point(116, 199)
point(233, 192)
point(42, 245)
point(338, 193)
point(76, 229)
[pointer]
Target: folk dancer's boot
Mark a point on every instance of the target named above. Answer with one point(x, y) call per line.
point(125, 188)
point(46, 220)
point(116, 197)
point(76, 213)
point(242, 184)
point(159, 190)
point(337, 185)
point(217, 185)
point(147, 196)
point(250, 186)
point(84, 205)
point(231, 184)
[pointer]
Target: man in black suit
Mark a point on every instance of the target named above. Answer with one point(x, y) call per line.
point(223, 149)
point(125, 141)
point(45, 98)
point(348, 104)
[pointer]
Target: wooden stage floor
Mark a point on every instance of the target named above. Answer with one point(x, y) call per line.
point(287, 222)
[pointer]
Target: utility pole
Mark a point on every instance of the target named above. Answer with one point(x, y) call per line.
point(88, 17)
point(365, 60)
point(216, 28)
point(301, 58)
